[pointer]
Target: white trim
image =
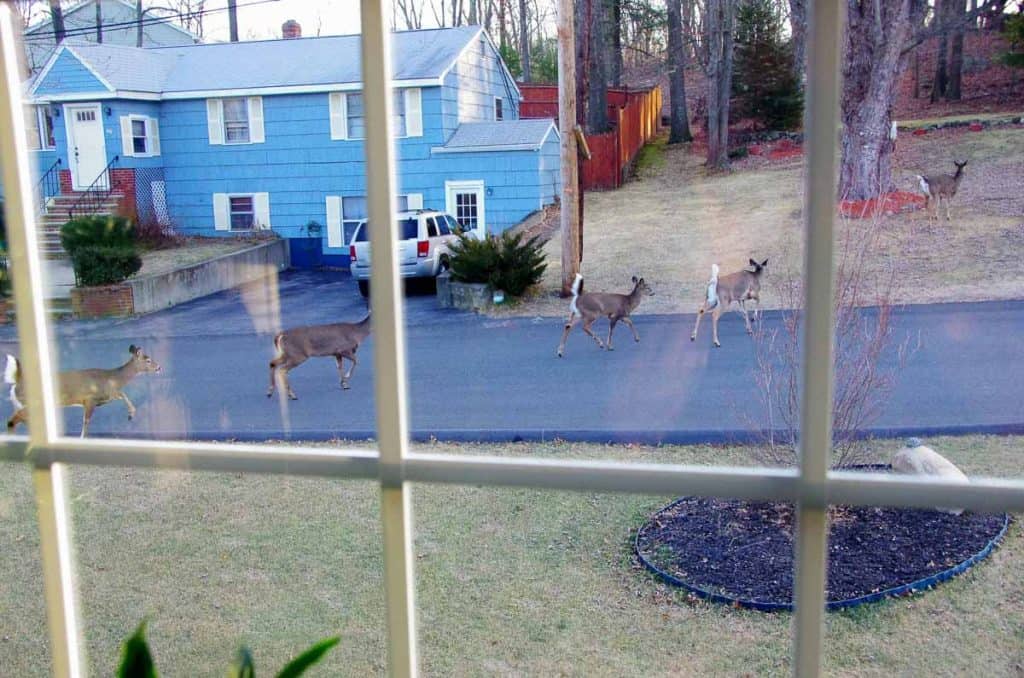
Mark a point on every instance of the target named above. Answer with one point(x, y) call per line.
point(215, 122)
point(337, 115)
point(290, 89)
point(462, 53)
point(40, 127)
point(499, 100)
point(485, 149)
point(260, 206)
point(261, 212)
point(504, 67)
point(128, 146)
point(46, 68)
point(92, 96)
point(412, 105)
point(544, 139)
point(335, 227)
point(76, 184)
point(254, 109)
point(89, 68)
point(221, 212)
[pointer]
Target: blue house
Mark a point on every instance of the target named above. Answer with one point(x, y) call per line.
point(217, 139)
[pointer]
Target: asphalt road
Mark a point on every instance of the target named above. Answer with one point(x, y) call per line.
point(474, 378)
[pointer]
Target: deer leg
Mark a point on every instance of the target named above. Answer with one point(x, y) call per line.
point(565, 333)
point(746, 318)
point(273, 370)
point(131, 408)
point(715, 315)
point(636, 337)
point(611, 327)
point(696, 325)
point(340, 359)
point(18, 417)
point(586, 328)
point(948, 218)
point(87, 411)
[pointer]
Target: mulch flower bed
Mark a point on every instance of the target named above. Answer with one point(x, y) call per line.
point(890, 203)
point(744, 550)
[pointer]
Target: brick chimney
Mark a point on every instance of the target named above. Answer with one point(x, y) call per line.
point(291, 29)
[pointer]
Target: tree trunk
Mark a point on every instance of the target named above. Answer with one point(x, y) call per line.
point(582, 46)
point(233, 20)
point(597, 72)
point(877, 31)
point(58, 21)
point(99, 22)
point(680, 130)
point(956, 53)
point(798, 27)
point(719, 23)
point(524, 40)
point(139, 13)
point(941, 80)
point(502, 27)
point(570, 197)
point(615, 70)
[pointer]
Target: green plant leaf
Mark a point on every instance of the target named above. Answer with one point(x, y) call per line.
point(243, 666)
point(136, 661)
point(298, 666)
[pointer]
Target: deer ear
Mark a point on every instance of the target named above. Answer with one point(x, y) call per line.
point(764, 263)
point(133, 349)
point(634, 279)
point(752, 263)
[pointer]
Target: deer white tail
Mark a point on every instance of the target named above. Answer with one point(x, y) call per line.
point(924, 184)
point(577, 284)
point(713, 287)
point(11, 377)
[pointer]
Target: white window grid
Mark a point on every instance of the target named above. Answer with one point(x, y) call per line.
point(812, 487)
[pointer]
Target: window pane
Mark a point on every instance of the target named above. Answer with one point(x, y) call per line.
point(205, 592)
point(408, 229)
point(354, 207)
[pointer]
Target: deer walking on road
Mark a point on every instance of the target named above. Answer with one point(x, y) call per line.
point(297, 345)
point(593, 305)
point(740, 287)
point(87, 389)
point(940, 188)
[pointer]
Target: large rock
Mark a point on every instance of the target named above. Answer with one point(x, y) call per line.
point(918, 459)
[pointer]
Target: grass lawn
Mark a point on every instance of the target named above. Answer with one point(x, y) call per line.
point(509, 581)
point(191, 251)
point(675, 220)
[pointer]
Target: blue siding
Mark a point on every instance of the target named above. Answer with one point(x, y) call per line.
point(111, 130)
point(69, 75)
point(472, 86)
point(550, 170)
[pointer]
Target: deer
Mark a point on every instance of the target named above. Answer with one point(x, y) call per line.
point(87, 388)
point(297, 345)
point(589, 306)
point(741, 286)
point(941, 187)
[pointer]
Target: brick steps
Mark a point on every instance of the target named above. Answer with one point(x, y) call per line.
point(56, 215)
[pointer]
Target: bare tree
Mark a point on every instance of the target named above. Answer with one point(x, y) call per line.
point(412, 13)
point(615, 26)
point(596, 67)
point(680, 130)
point(190, 14)
point(719, 21)
point(232, 20)
point(524, 39)
point(99, 21)
point(798, 28)
point(58, 21)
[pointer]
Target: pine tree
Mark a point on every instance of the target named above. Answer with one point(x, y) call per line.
point(764, 82)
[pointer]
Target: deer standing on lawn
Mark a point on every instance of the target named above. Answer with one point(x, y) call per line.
point(740, 286)
point(87, 389)
point(941, 187)
point(592, 305)
point(297, 345)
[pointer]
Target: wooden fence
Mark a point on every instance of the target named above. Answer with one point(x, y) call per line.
point(635, 117)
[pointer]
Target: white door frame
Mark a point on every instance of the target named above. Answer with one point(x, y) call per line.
point(468, 186)
point(69, 125)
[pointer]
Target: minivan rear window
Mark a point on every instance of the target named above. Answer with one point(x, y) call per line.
point(407, 230)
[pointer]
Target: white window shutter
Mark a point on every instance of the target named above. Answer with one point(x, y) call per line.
point(335, 236)
point(414, 201)
point(215, 120)
point(261, 206)
point(339, 115)
point(127, 147)
point(221, 212)
point(256, 135)
point(153, 136)
point(413, 112)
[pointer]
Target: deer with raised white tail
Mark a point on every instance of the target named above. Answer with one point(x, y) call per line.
point(940, 188)
point(589, 306)
point(87, 389)
point(299, 344)
point(740, 287)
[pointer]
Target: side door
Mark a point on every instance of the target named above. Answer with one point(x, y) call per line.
point(465, 201)
point(87, 149)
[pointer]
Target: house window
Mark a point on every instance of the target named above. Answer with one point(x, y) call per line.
point(139, 136)
point(236, 121)
point(45, 119)
point(353, 210)
point(498, 114)
point(243, 212)
point(356, 116)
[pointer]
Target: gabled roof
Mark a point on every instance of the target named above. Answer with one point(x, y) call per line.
point(90, 4)
point(502, 135)
point(267, 66)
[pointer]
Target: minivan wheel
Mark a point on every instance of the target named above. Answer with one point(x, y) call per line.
point(364, 288)
point(445, 264)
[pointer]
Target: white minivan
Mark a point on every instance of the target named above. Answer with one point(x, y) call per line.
point(424, 238)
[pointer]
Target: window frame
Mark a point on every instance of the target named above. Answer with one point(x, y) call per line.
point(499, 112)
point(811, 485)
point(398, 116)
point(251, 197)
point(44, 113)
point(224, 121)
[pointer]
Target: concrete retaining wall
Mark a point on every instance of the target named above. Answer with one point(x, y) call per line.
point(159, 291)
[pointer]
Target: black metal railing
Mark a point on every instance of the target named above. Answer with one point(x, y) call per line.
point(48, 186)
point(92, 198)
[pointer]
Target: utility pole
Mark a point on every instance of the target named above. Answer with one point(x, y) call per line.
point(570, 212)
point(233, 20)
point(58, 21)
point(99, 21)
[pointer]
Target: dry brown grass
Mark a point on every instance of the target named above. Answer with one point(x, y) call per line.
point(190, 251)
point(675, 220)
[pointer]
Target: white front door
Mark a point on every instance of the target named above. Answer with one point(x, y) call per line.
point(465, 201)
point(87, 151)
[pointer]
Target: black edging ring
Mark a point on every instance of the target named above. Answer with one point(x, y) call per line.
point(895, 591)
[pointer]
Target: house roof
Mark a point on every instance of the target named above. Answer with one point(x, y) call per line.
point(502, 135)
point(304, 64)
point(90, 4)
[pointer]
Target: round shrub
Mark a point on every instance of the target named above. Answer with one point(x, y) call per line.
point(504, 262)
point(103, 250)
